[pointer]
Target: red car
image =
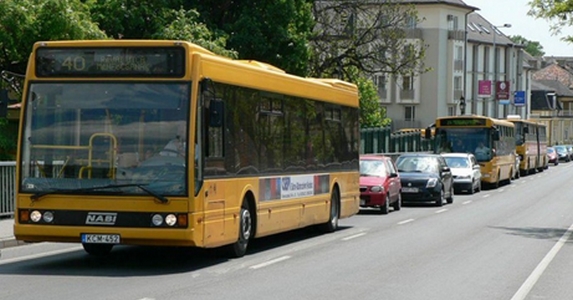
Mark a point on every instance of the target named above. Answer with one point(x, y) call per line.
point(552, 156)
point(380, 184)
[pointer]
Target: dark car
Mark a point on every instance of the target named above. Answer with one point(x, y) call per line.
point(562, 153)
point(552, 156)
point(425, 178)
point(379, 183)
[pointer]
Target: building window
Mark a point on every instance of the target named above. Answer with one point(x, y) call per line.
point(451, 110)
point(409, 113)
point(452, 22)
point(458, 83)
point(407, 83)
point(380, 81)
point(411, 22)
point(459, 53)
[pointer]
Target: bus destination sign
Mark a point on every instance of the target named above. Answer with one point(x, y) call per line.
point(111, 62)
point(462, 122)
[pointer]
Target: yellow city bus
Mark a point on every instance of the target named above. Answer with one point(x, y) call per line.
point(530, 145)
point(492, 141)
point(165, 143)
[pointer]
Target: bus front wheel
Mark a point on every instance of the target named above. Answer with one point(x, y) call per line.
point(239, 248)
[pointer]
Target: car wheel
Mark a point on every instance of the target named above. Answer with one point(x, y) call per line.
point(397, 205)
point(440, 199)
point(450, 199)
point(386, 207)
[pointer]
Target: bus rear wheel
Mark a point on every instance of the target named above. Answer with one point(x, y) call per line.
point(332, 223)
point(97, 249)
point(239, 248)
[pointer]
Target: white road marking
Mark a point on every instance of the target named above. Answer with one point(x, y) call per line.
point(538, 271)
point(467, 202)
point(486, 195)
point(353, 236)
point(405, 221)
point(441, 210)
point(270, 262)
point(501, 190)
point(38, 255)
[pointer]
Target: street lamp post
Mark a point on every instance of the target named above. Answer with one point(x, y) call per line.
point(494, 89)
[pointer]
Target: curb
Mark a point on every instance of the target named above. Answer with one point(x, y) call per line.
point(10, 242)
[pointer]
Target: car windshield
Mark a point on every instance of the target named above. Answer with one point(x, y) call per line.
point(457, 162)
point(372, 168)
point(417, 164)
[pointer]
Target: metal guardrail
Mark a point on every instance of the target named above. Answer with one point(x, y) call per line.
point(7, 188)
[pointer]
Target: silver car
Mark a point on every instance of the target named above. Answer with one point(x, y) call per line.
point(466, 172)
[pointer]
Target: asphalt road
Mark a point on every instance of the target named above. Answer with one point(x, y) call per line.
point(508, 243)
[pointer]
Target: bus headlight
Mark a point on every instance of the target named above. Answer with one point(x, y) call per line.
point(157, 220)
point(170, 220)
point(48, 217)
point(35, 216)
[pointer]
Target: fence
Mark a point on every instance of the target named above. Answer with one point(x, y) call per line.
point(7, 188)
point(383, 140)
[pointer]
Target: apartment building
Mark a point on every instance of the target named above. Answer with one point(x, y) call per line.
point(471, 61)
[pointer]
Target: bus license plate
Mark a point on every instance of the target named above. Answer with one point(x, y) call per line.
point(409, 190)
point(100, 238)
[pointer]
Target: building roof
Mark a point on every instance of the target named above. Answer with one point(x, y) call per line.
point(554, 72)
point(482, 31)
point(552, 85)
point(458, 3)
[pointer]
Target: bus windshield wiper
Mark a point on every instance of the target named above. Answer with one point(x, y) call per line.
point(39, 195)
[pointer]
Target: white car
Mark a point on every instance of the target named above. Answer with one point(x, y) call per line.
point(466, 172)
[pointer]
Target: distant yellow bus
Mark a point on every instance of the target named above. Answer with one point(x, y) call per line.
point(530, 145)
point(492, 141)
point(165, 143)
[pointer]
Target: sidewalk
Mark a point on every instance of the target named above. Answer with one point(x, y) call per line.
point(7, 234)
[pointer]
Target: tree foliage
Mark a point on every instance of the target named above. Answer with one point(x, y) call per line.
point(23, 22)
point(274, 32)
point(532, 47)
point(558, 12)
point(368, 35)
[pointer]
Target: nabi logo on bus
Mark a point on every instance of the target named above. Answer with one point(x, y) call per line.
point(99, 218)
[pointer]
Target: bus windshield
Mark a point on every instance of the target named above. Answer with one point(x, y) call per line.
point(82, 135)
point(466, 140)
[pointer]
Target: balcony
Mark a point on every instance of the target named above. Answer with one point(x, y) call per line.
point(414, 33)
point(459, 35)
point(407, 94)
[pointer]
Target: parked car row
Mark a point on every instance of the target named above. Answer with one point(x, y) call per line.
point(564, 152)
point(414, 177)
point(424, 177)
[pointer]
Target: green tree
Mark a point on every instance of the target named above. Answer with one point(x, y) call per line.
point(368, 35)
point(532, 47)
point(23, 22)
point(559, 13)
point(274, 32)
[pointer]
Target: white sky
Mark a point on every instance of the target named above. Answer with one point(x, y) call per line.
point(514, 12)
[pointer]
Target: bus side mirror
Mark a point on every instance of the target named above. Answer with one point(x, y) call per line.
point(525, 129)
point(3, 103)
point(495, 135)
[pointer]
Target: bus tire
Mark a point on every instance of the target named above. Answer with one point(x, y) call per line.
point(239, 248)
point(332, 223)
point(97, 249)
